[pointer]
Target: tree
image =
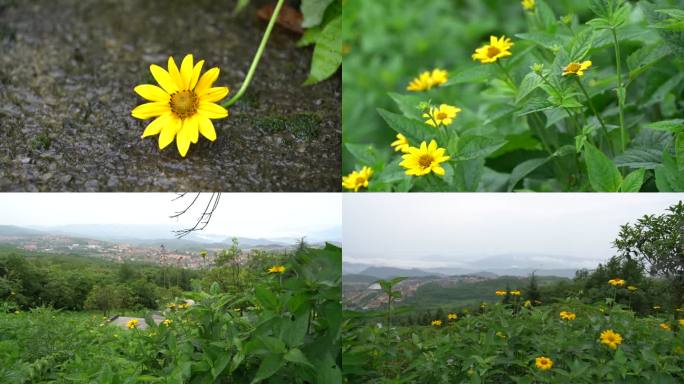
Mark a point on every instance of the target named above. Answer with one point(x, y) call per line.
point(533, 289)
point(104, 298)
point(656, 243)
point(387, 287)
point(231, 258)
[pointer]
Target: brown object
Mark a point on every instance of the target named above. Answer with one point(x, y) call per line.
point(290, 18)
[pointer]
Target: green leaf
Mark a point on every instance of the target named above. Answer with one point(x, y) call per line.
point(241, 4)
point(473, 74)
point(366, 154)
point(601, 8)
point(467, 174)
point(633, 181)
point(675, 125)
point(313, 11)
point(545, 39)
point(266, 297)
point(644, 58)
point(408, 104)
point(415, 131)
point(679, 151)
point(295, 355)
point(523, 169)
point(581, 45)
point(268, 367)
point(474, 147)
point(220, 364)
point(603, 174)
point(529, 83)
point(327, 56)
point(546, 15)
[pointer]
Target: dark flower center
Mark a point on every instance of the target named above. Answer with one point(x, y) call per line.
point(184, 103)
point(493, 51)
point(426, 160)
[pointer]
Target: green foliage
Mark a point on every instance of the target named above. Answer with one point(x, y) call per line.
point(523, 125)
point(285, 328)
point(323, 18)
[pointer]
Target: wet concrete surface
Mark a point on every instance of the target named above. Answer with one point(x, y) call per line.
point(67, 73)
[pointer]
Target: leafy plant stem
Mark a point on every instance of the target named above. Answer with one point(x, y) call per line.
point(257, 56)
point(598, 116)
point(508, 76)
point(621, 91)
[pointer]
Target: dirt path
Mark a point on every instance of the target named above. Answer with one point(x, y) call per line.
point(67, 72)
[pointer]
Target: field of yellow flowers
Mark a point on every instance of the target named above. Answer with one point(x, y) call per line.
point(567, 342)
point(506, 96)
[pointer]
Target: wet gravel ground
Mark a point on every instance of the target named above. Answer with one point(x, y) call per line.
point(67, 73)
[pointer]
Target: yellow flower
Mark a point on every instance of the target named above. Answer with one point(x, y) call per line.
point(576, 68)
point(679, 309)
point(171, 306)
point(500, 334)
point(132, 323)
point(496, 49)
point(427, 80)
point(665, 326)
point(357, 179)
point(452, 316)
point(423, 160)
point(436, 323)
point(401, 143)
point(167, 322)
point(442, 115)
point(616, 282)
point(656, 307)
point(184, 104)
point(543, 363)
point(277, 269)
point(528, 5)
point(681, 322)
point(567, 315)
point(515, 292)
point(631, 288)
point(611, 339)
point(183, 306)
point(527, 303)
point(501, 293)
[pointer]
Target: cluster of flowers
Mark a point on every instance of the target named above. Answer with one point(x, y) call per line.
point(513, 292)
point(425, 158)
point(277, 269)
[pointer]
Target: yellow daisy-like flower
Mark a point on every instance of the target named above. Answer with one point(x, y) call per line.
point(132, 323)
point(515, 292)
point(527, 304)
point(543, 363)
point(357, 179)
point(496, 49)
point(183, 306)
point(611, 339)
point(500, 334)
point(428, 80)
point(567, 315)
point(681, 322)
point(183, 105)
point(631, 288)
point(452, 316)
point(442, 115)
point(423, 160)
point(576, 68)
point(528, 5)
point(616, 282)
point(171, 306)
point(167, 322)
point(401, 143)
point(437, 323)
point(277, 269)
point(665, 326)
point(501, 293)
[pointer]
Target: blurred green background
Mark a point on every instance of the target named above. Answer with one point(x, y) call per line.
point(389, 42)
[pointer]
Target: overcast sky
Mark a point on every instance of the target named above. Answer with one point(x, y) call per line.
point(239, 214)
point(445, 229)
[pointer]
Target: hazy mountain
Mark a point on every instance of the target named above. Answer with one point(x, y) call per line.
point(349, 268)
point(390, 272)
point(11, 230)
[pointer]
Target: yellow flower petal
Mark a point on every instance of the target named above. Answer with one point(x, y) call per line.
point(169, 131)
point(150, 110)
point(183, 140)
point(192, 126)
point(213, 95)
point(438, 170)
point(163, 78)
point(207, 80)
point(186, 71)
point(175, 74)
point(152, 93)
point(196, 74)
point(156, 126)
point(206, 128)
point(212, 111)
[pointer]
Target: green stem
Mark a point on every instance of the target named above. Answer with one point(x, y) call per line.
point(621, 91)
point(508, 76)
point(257, 56)
point(591, 105)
